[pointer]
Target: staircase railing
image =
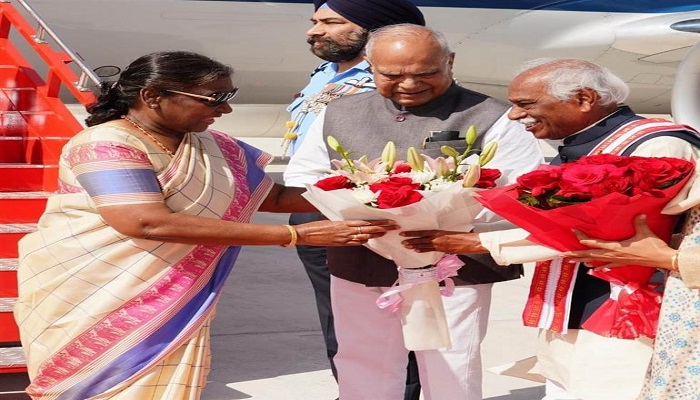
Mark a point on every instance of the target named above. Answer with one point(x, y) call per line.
point(33, 128)
point(57, 61)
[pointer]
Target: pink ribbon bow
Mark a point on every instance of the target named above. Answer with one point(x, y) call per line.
point(443, 270)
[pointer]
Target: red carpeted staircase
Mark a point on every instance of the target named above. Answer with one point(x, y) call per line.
point(34, 126)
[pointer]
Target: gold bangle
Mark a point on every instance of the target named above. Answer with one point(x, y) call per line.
point(674, 261)
point(295, 236)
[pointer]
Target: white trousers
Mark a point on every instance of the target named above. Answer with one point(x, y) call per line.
point(371, 358)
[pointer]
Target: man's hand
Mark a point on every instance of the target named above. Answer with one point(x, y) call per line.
point(444, 241)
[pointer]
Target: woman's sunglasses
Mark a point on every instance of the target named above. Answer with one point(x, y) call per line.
point(213, 100)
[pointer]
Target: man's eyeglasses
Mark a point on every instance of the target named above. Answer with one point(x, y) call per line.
point(213, 100)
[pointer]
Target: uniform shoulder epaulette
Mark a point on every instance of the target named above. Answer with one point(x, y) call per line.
point(319, 68)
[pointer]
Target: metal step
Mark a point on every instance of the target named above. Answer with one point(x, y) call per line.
point(12, 358)
point(17, 228)
point(8, 264)
point(24, 195)
point(7, 304)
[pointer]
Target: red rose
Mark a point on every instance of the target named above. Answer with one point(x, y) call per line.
point(622, 184)
point(658, 172)
point(487, 178)
point(592, 177)
point(393, 183)
point(585, 181)
point(575, 192)
point(401, 167)
point(598, 159)
point(397, 197)
point(334, 183)
point(680, 164)
point(581, 175)
point(539, 181)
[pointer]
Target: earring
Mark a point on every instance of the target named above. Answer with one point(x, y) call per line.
point(153, 105)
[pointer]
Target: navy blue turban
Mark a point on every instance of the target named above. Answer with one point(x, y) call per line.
point(373, 14)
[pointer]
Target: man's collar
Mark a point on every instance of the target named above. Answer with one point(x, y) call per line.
point(601, 127)
point(362, 65)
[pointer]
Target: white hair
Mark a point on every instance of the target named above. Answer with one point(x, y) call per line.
point(409, 31)
point(566, 76)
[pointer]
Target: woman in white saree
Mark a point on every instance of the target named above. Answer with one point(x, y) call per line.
point(118, 287)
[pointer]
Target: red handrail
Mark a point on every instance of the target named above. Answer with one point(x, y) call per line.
point(57, 61)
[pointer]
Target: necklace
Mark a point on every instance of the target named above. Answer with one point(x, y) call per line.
point(150, 136)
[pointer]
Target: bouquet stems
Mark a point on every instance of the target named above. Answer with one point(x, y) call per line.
point(423, 318)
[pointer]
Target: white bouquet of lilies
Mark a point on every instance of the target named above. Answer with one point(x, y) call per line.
point(420, 193)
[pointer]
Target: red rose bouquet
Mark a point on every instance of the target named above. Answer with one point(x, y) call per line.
point(418, 193)
point(599, 195)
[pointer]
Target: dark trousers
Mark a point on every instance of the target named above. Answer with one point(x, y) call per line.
point(314, 260)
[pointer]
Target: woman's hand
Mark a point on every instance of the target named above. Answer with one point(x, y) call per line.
point(443, 241)
point(644, 248)
point(342, 233)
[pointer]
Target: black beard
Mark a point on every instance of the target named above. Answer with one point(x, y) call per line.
point(339, 52)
